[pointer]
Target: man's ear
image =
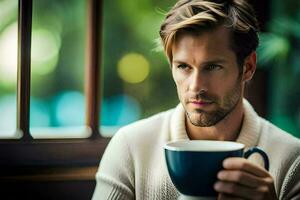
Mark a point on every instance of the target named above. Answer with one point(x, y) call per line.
point(249, 67)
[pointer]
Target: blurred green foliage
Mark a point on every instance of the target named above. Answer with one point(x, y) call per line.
point(279, 53)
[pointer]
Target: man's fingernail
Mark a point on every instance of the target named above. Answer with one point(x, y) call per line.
point(219, 175)
point(226, 162)
point(216, 186)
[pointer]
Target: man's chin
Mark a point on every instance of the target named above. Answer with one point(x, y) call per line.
point(199, 119)
point(202, 123)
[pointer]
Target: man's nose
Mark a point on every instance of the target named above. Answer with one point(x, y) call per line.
point(197, 82)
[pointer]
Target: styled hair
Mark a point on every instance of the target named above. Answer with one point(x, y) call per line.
point(196, 16)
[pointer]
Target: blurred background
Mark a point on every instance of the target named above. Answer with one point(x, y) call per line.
point(136, 78)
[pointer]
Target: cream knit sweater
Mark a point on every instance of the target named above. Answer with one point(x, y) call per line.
point(133, 165)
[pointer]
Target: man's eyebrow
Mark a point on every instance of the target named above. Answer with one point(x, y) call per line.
point(178, 61)
point(214, 61)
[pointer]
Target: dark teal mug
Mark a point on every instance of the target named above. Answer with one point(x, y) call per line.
point(193, 164)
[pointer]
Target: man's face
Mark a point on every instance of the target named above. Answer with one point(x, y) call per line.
point(206, 73)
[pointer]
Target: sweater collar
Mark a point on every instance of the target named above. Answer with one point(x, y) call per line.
point(250, 131)
point(178, 129)
point(248, 136)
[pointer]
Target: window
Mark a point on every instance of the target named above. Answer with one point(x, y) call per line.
point(41, 137)
point(27, 151)
point(57, 104)
point(132, 69)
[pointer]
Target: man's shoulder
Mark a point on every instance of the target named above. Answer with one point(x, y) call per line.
point(274, 135)
point(283, 148)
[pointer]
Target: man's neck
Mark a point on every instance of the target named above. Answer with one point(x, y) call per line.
point(227, 129)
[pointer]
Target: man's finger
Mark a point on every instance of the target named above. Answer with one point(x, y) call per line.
point(240, 191)
point(236, 163)
point(223, 196)
point(241, 177)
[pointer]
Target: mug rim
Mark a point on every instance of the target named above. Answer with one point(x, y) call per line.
point(229, 146)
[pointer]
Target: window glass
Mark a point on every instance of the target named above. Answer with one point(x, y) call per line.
point(57, 104)
point(8, 67)
point(137, 79)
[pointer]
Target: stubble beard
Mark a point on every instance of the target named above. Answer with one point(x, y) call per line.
point(225, 106)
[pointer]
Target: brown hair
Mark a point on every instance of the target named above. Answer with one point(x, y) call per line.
point(195, 16)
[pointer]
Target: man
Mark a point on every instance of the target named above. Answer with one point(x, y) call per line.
point(211, 49)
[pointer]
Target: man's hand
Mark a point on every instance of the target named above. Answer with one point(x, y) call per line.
point(242, 179)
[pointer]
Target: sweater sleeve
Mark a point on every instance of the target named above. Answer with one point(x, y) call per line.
point(291, 184)
point(115, 176)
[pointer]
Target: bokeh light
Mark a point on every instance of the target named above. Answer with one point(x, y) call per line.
point(8, 12)
point(133, 68)
point(39, 113)
point(69, 109)
point(8, 54)
point(119, 110)
point(8, 112)
point(45, 51)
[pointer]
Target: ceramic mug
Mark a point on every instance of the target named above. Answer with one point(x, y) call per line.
point(193, 164)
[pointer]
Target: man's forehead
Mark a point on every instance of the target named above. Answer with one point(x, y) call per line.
point(206, 47)
point(218, 33)
point(214, 40)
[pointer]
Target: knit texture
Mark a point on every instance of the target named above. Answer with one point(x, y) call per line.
point(133, 165)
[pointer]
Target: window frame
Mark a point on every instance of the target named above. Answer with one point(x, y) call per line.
point(29, 152)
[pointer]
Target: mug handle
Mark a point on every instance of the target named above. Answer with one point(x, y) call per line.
point(261, 152)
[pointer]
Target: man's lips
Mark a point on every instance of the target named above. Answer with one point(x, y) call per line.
point(201, 103)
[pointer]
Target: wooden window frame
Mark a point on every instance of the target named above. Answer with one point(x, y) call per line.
point(29, 152)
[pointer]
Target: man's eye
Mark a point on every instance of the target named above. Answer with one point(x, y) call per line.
point(182, 66)
point(213, 67)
